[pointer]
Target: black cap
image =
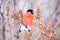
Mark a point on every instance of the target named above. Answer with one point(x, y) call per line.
point(30, 10)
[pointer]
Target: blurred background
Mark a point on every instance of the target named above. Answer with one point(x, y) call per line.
point(47, 13)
